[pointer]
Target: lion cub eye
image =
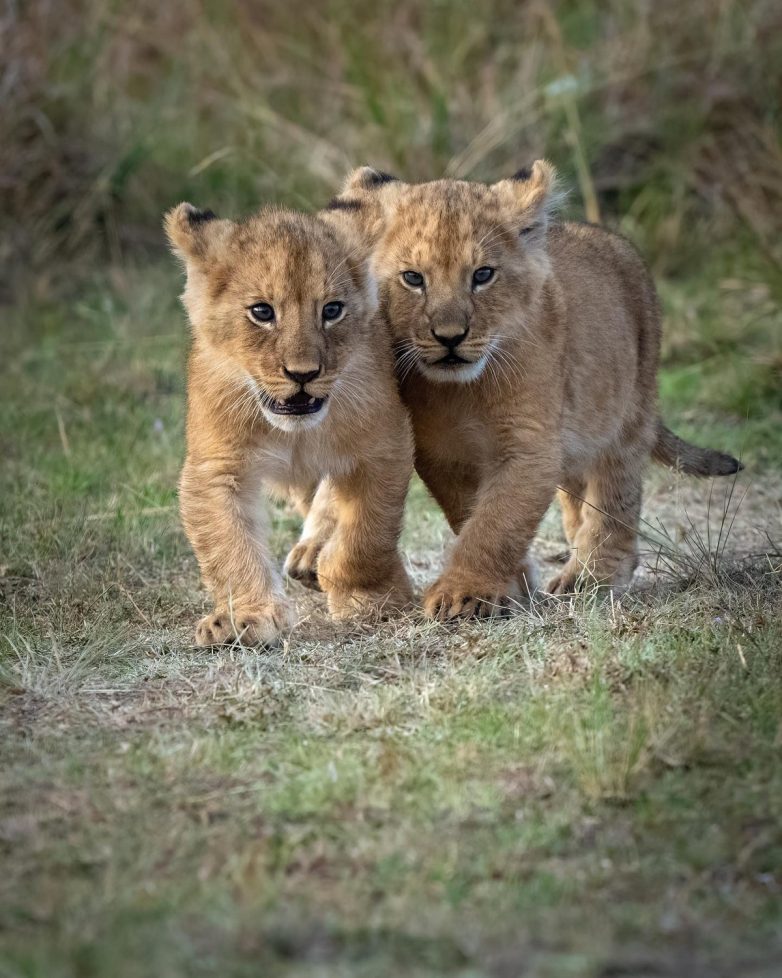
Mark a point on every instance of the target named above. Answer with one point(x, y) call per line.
point(261, 312)
point(482, 275)
point(332, 311)
point(414, 279)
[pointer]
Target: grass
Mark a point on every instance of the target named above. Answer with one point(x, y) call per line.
point(583, 790)
point(590, 789)
point(398, 802)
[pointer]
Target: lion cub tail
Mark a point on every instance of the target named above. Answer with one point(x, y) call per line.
point(676, 453)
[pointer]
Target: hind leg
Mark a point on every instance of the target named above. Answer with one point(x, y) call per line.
point(571, 498)
point(605, 539)
point(527, 580)
point(570, 501)
point(301, 564)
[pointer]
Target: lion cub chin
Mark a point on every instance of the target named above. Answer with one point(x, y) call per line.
point(290, 385)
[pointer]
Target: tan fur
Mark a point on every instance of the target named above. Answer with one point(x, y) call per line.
point(359, 442)
point(560, 388)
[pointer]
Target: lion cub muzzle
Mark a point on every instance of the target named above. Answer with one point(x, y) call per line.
point(450, 337)
point(453, 361)
point(455, 355)
point(301, 402)
point(297, 404)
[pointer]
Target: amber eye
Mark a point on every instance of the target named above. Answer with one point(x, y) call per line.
point(482, 275)
point(262, 312)
point(414, 279)
point(332, 311)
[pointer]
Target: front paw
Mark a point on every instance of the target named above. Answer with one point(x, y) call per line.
point(456, 597)
point(393, 596)
point(248, 626)
point(369, 604)
point(301, 564)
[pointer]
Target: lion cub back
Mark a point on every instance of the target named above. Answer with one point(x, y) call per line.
point(614, 316)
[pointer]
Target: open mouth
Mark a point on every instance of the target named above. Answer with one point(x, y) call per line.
point(301, 403)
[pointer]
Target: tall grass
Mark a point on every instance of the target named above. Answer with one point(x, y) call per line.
point(594, 789)
point(665, 112)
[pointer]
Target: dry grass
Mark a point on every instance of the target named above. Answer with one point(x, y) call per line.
point(370, 800)
point(586, 788)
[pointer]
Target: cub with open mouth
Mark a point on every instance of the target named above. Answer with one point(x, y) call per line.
point(290, 385)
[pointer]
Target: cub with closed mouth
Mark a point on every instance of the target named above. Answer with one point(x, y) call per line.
point(528, 352)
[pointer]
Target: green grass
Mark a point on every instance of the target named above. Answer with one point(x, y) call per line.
point(723, 354)
point(477, 804)
point(573, 791)
point(585, 790)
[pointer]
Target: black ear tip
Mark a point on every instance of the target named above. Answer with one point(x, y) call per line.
point(195, 216)
point(375, 178)
point(523, 174)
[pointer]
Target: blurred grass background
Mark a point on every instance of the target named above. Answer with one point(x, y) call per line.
point(663, 117)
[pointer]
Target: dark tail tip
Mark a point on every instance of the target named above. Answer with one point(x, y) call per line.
point(727, 465)
point(690, 459)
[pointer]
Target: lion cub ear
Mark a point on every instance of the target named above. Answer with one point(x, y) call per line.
point(367, 178)
point(367, 188)
point(530, 196)
point(363, 204)
point(191, 232)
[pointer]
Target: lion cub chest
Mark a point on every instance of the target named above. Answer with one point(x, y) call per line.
point(302, 460)
point(448, 430)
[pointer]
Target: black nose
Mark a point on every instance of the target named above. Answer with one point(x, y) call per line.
point(450, 340)
point(300, 376)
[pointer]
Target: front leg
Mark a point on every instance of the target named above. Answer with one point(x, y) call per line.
point(483, 571)
point(360, 567)
point(221, 510)
point(455, 487)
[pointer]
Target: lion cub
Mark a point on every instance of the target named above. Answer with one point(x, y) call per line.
point(290, 383)
point(527, 354)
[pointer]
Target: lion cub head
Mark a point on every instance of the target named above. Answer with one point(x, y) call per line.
point(459, 264)
point(279, 302)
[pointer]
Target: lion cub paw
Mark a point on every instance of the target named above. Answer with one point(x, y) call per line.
point(262, 626)
point(566, 582)
point(369, 604)
point(301, 564)
point(616, 574)
point(446, 600)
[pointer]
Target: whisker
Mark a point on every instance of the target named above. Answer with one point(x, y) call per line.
point(406, 360)
point(494, 232)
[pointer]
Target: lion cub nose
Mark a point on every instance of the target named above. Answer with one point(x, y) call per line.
point(450, 336)
point(301, 376)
